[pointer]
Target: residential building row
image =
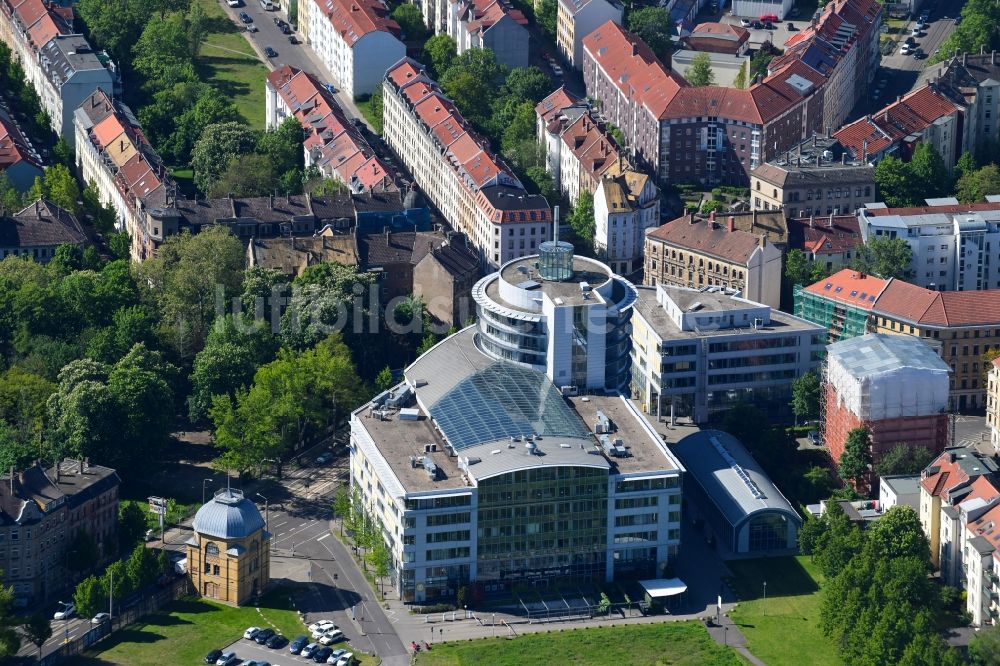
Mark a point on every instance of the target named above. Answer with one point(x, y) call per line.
point(481, 24)
point(333, 144)
point(714, 134)
point(575, 19)
point(356, 40)
point(583, 157)
point(58, 62)
point(42, 510)
point(993, 404)
point(954, 246)
point(475, 191)
point(960, 325)
point(18, 158)
point(816, 177)
point(698, 352)
point(726, 45)
point(960, 513)
point(36, 231)
point(830, 241)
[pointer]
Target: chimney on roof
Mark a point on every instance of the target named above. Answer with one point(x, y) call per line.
point(753, 219)
point(711, 216)
point(36, 207)
point(814, 139)
point(691, 219)
point(388, 235)
point(731, 223)
point(635, 49)
point(982, 49)
point(270, 202)
point(763, 240)
point(819, 159)
point(830, 223)
point(829, 132)
point(864, 151)
point(79, 466)
point(812, 220)
point(843, 157)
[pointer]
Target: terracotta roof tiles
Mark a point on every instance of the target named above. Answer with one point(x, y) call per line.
point(353, 19)
point(709, 238)
point(851, 288)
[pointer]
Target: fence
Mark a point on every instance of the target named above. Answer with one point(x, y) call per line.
point(128, 614)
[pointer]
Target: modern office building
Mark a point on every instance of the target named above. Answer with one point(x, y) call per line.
point(740, 505)
point(41, 511)
point(483, 472)
point(697, 353)
point(566, 316)
point(953, 244)
point(896, 386)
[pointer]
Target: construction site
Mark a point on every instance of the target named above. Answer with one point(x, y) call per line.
point(894, 385)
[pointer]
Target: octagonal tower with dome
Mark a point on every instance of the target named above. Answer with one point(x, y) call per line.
point(228, 556)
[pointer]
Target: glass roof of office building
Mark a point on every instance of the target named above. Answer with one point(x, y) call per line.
point(504, 400)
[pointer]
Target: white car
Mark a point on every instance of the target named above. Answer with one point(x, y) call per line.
point(233, 3)
point(346, 659)
point(321, 628)
point(251, 632)
point(746, 23)
point(331, 637)
point(335, 656)
point(66, 612)
point(100, 618)
point(307, 651)
point(906, 50)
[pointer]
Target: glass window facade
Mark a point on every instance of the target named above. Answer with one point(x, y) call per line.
point(768, 532)
point(540, 524)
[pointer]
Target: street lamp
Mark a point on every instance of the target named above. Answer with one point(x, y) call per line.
point(765, 598)
point(267, 524)
point(203, 490)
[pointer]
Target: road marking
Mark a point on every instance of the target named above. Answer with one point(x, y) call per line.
point(323, 537)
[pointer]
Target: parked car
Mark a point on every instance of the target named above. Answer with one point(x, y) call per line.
point(309, 650)
point(757, 25)
point(252, 27)
point(234, 3)
point(790, 26)
point(746, 23)
point(297, 644)
point(331, 88)
point(278, 22)
point(263, 636)
point(320, 656)
point(557, 70)
point(813, 437)
point(285, 30)
point(320, 626)
point(213, 656)
point(100, 618)
point(66, 611)
point(251, 632)
point(346, 659)
point(773, 18)
point(277, 641)
point(270, 53)
point(919, 55)
point(324, 458)
point(227, 659)
point(906, 50)
point(917, 32)
point(335, 656)
point(331, 637)
point(245, 17)
point(292, 39)
point(768, 25)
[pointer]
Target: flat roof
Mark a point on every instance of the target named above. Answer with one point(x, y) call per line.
point(663, 587)
point(658, 319)
point(730, 476)
point(903, 484)
point(586, 270)
point(646, 449)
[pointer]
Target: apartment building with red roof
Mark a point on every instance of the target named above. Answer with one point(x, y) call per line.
point(356, 40)
point(711, 37)
point(831, 241)
point(333, 144)
point(475, 191)
point(18, 158)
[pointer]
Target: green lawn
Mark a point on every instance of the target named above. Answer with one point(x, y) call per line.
point(676, 643)
point(784, 628)
point(365, 107)
point(228, 63)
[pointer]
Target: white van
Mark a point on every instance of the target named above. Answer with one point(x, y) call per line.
point(268, 5)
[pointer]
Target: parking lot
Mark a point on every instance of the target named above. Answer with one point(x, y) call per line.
point(247, 650)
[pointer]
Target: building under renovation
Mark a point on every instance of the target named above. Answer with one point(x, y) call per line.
point(894, 385)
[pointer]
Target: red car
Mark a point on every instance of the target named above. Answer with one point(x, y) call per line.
point(773, 18)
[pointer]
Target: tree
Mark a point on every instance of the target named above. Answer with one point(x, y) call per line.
point(651, 25)
point(139, 385)
point(58, 186)
point(377, 105)
point(384, 380)
point(760, 62)
point(37, 630)
point(283, 144)
point(546, 16)
point(342, 506)
point(543, 183)
point(440, 52)
point(741, 77)
point(10, 640)
point(90, 596)
point(806, 396)
point(527, 84)
point(519, 144)
point(469, 92)
point(381, 558)
point(581, 219)
point(411, 21)
point(966, 164)
point(22, 407)
point(700, 72)
point(798, 268)
point(131, 526)
point(163, 52)
point(928, 172)
point(984, 648)
point(215, 150)
point(973, 186)
point(884, 257)
point(141, 568)
point(322, 303)
point(250, 176)
point(903, 459)
point(816, 484)
point(63, 152)
point(892, 176)
point(187, 279)
point(856, 458)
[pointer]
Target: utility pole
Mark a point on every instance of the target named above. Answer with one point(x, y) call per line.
point(267, 523)
point(203, 490)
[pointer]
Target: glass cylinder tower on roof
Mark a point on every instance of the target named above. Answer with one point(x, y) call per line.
point(555, 260)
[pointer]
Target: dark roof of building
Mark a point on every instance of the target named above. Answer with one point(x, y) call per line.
point(39, 225)
point(503, 197)
point(396, 247)
point(75, 483)
point(825, 235)
point(456, 256)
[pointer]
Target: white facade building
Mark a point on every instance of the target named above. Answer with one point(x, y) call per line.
point(696, 353)
point(356, 40)
point(485, 24)
point(482, 472)
point(625, 207)
point(953, 244)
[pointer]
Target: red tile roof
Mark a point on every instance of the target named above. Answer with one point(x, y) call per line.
point(819, 236)
point(353, 19)
point(912, 114)
point(558, 100)
point(851, 288)
point(950, 470)
point(13, 147)
point(905, 301)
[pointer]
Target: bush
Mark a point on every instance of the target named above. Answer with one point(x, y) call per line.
point(435, 608)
